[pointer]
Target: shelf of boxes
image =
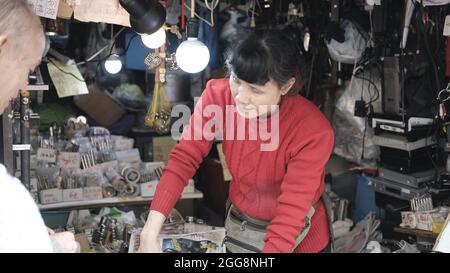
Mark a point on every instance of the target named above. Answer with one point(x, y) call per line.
point(138, 200)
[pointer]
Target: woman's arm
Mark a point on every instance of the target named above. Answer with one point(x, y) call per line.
point(183, 162)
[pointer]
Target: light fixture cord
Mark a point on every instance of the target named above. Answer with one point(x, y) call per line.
point(211, 7)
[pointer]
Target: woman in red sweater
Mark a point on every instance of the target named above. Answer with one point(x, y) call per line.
point(276, 144)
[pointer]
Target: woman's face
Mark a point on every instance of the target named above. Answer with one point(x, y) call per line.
point(254, 100)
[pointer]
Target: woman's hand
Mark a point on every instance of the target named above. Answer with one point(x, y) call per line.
point(149, 241)
point(65, 240)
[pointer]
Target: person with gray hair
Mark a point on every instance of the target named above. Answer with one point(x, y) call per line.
point(22, 43)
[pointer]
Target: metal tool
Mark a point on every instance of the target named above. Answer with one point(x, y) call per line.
point(422, 203)
point(88, 160)
point(159, 172)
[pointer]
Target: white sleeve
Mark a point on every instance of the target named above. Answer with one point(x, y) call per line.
point(22, 228)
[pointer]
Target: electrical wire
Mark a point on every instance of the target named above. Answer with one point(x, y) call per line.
point(211, 6)
point(182, 15)
point(364, 139)
point(102, 49)
point(95, 61)
point(372, 100)
point(63, 71)
point(112, 49)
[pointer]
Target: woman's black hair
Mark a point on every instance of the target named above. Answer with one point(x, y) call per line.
point(258, 59)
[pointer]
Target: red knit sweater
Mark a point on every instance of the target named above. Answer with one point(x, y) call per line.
point(280, 185)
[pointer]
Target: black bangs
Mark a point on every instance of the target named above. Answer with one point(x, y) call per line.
point(273, 56)
point(250, 61)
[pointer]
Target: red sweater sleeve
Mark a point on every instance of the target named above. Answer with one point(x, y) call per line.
point(301, 187)
point(185, 157)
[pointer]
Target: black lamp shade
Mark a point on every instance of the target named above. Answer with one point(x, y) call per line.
point(146, 16)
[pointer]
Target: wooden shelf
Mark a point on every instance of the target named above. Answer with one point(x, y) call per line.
point(111, 202)
point(416, 232)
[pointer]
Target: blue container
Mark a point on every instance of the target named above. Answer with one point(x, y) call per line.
point(365, 200)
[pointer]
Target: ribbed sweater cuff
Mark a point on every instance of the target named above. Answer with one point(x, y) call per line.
point(164, 201)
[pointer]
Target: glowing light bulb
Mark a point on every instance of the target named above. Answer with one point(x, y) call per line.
point(192, 55)
point(113, 64)
point(154, 40)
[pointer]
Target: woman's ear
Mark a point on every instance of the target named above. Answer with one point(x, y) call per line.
point(287, 86)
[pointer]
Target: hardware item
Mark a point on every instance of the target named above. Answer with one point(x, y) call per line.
point(104, 146)
point(75, 126)
point(116, 180)
point(153, 60)
point(396, 190)
point(412, 128)
point(98, 234)
point(146, 177)
point(399, 142)
point(131, 175)
point(174, 29)
point(47, 177)
point(417, 160)
point(172, 62)
point(44, 184)
point(73, 181)
point(422, 203)
point(159, 172)
point(126, 240)
point(391, 85)
point(106, 234)
point(88, 160)
point(108, 190)
point(131, 189)
point(415, 180)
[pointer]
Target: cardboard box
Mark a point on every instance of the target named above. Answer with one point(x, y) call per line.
point(424, 220)
point(46, 155)
point(110, 164)
point(148, 189)
point(33, 162)
point(72, 194)
point(129, 156)
point(100, 105)
point(69, 160)
point(408, 219)
point(162, 146)
point(123, 144)
point(92, 193)
point(50, 196)
point(94, 170)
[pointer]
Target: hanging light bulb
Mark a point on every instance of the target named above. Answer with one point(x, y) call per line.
point(154, 40)
point(192, 55)
point(113, 64)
